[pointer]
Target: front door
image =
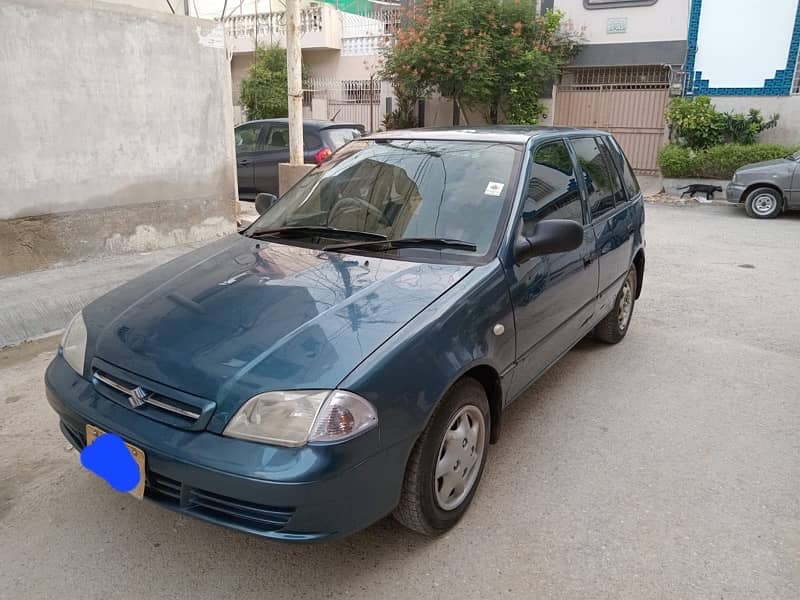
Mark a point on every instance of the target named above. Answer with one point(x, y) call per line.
point(247, 140)
point(793, 197)
point(554, 295)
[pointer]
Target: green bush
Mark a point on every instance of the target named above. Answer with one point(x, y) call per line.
point(676, 161)
point(694, 122)
point(264, 90)
point(716, 162)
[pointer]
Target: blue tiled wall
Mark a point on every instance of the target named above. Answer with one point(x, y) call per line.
point(780, 85)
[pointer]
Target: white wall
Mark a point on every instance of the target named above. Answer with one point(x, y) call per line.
point(741, 44)
point(330, 64)
point(154, 5)
point(116, 131)
point(664, 21)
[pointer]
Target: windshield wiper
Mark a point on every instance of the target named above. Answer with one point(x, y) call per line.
point(317, 230)
point(386, 245)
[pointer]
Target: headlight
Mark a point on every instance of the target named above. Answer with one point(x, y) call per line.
point(297, 417)
point(73, 343)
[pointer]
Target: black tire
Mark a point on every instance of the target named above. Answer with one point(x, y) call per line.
point(610, 330)
point(419, 509)
point(763, 203)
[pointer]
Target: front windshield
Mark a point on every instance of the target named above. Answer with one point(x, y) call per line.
point(406, 189)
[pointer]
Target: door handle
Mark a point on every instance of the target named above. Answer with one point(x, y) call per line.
point(244, 162)
point(588, 259)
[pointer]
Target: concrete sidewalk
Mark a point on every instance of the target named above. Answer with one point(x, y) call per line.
point(42, 302)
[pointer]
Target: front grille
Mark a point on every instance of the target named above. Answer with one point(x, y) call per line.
point(163, 488)
point(156, 401)
point(262, 518)
point(199, 502)
point(215, 507)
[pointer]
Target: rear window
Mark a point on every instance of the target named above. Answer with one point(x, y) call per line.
point(339, 136)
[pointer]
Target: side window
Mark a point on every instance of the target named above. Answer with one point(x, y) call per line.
point(278, 138)
point(552, 189)
point(624, 167)
point(246, 137)
point(616, 184)
point(598, 180)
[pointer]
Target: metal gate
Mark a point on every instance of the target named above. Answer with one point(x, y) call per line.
point(627, 101)
point(349, 100)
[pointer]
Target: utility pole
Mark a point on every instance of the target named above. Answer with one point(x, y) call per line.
point(186, 7)
point(295, 82)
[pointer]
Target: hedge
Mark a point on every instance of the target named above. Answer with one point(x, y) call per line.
point(716, 162)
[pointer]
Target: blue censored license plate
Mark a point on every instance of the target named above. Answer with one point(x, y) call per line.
point(92, 433)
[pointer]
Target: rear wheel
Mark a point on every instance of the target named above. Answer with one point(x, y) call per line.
point(614, 327)
point(447, 462)
point(763, 203)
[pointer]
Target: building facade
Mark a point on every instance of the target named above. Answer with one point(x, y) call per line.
point(631, 64)
point(340, 49)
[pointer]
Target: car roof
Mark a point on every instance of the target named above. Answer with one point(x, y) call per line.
point(310, 123)
point(509, 134)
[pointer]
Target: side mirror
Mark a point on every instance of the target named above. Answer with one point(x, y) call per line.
point(264, 202)
point(549, 237)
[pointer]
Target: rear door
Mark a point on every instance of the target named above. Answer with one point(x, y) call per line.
point(274, 150)
point(610, 213)
point(247, 139)
point(554, 295)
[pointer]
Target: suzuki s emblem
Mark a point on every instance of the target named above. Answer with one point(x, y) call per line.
point(137, 397)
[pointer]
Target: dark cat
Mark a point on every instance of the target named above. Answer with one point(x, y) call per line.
point(703, 188)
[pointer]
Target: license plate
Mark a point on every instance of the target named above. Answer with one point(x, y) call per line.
point(92, 433)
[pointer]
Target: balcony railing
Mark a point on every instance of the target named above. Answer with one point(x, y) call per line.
point(272, 24)
point(321, 27)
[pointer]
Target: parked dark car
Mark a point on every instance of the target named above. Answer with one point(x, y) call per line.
point(351, 354)
point(767, 188)
point(262, 145)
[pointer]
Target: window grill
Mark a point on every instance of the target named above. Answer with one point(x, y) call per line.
point(615, 78)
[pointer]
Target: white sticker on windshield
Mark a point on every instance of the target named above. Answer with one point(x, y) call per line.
point(494, 188)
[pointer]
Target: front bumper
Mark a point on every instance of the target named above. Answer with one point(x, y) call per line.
point(291, 494)
point(734, 192)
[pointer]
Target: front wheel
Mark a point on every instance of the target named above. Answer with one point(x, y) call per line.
point(614, 327)
point(763, 203)
point(447, 461)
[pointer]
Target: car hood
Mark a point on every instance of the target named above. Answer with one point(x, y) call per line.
point(763, 165)
point(242, 317)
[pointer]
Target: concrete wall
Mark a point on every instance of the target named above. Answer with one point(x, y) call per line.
point(788, 107)
point(116, 132)
point(662, 21)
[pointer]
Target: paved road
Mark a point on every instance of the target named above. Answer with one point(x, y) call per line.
point(665, 467)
